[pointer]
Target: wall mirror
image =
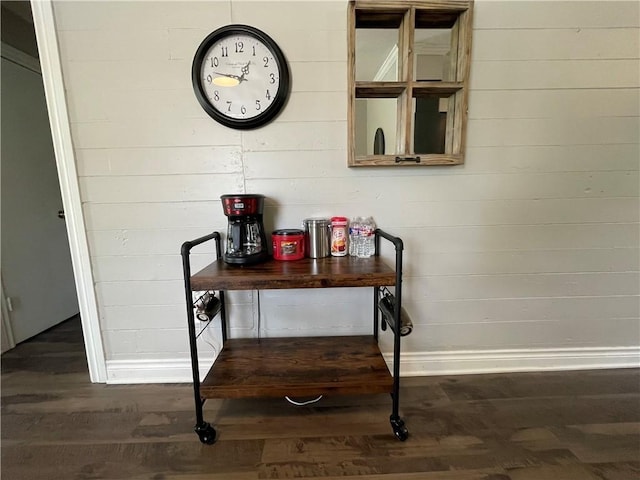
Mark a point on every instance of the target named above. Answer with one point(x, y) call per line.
point(408, 75)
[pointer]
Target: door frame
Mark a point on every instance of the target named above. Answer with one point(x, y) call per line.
point(51, 68)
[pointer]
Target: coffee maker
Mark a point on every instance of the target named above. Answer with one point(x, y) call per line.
point(246, 240)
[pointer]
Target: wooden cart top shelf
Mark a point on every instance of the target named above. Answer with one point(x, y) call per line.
point(306, 273)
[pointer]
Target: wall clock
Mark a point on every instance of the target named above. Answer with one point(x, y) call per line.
point(240, 77)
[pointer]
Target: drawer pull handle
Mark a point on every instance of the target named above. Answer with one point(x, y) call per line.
point(415, 159)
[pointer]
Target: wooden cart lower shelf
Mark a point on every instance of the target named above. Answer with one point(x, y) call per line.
point(298, 366)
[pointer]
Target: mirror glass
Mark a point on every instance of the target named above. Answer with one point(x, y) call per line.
point(373, 114)
point(376, 54)
point(432, 59)
point(430, 123)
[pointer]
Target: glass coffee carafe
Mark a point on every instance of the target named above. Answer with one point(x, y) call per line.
point(246, 240)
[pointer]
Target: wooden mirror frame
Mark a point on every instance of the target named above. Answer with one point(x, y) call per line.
point(404, 15)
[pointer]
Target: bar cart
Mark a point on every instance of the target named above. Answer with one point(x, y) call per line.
point(297, 366)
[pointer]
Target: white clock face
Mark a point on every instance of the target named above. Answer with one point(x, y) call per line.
point(240, 76)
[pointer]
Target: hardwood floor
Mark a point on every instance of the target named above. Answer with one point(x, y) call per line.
point(527, 426)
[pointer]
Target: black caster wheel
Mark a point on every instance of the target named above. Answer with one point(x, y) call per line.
point(206, 433)
point(399, 429)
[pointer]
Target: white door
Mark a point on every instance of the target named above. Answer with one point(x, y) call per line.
point(36, 261)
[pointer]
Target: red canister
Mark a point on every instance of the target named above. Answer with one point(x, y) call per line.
point(288, 244)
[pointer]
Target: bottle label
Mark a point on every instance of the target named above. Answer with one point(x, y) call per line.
point(339, 241)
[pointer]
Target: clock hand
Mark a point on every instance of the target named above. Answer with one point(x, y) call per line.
point(230, 75)
point(245, 71)
point(239, 78)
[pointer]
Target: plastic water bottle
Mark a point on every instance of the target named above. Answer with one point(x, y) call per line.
point(368, 238)
point(354, 234)
point(362, 237)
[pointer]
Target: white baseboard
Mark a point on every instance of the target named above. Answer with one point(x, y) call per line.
point(154, 371)
point(524, 360)
point(413, 364)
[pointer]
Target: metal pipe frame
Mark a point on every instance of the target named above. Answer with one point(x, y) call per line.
point(399, 247)
point(185, 251)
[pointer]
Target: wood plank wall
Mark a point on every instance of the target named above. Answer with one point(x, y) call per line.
point(532, 244)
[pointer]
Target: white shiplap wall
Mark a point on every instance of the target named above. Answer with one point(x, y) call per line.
point(526, 257)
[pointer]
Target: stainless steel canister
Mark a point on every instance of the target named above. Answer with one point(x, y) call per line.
point(317, 237)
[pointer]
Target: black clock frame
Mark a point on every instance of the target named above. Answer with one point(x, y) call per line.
point(281, 96)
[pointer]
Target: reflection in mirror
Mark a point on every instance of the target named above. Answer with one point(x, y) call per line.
point(378, 142)
point(376, 54)
point(372, 114)
point(430, 123)
point(432, 55)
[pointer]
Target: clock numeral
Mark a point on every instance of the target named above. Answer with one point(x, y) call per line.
point(225, 51)
point(228, 106)
point(209, 78)
point(216, 95)
point(254, 50)
point(272, 77)
point(266, 61)
point(268, 95)
point(243, 110)
point(258, 105)
point(239, 47)
point(214, 61)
